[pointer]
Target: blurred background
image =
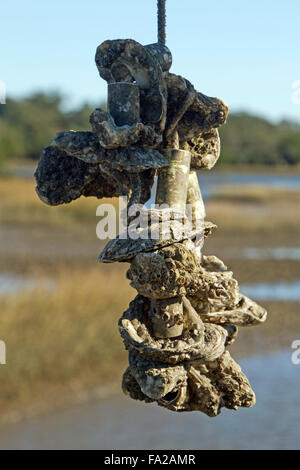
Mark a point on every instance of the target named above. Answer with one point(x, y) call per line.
point(59, 309)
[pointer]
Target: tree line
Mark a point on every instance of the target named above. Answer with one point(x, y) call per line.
point(29, 124)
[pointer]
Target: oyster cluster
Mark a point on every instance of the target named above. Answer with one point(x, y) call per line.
point(179, 358)
point(185, 316)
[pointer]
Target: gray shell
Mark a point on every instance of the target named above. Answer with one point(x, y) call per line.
point(85, 146)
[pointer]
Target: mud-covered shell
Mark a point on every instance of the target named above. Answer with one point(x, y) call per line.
point(205, 150)
point(62, 179)
point(125, 248)
point(217, 289)
point(136, 331)
point(127, 60)
point(190, 386)
point(85, 146)
point(165, 273)
point(203, 114)
point(246, 313)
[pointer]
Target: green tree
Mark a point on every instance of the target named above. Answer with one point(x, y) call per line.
point(29, 124)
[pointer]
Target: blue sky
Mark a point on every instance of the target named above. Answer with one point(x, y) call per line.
point(245, 52)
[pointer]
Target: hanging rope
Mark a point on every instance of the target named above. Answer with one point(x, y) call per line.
point(161, 16)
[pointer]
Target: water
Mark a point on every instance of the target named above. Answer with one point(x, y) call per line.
point(12, 284)
point(289, 291)
point(24, 171)
point(214, 179)
point(264, 253)
point(261, 291)
point(211, 181)
point(279, 253)
point(120, 423)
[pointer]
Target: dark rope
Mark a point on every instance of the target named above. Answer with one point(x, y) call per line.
point(161, 16)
